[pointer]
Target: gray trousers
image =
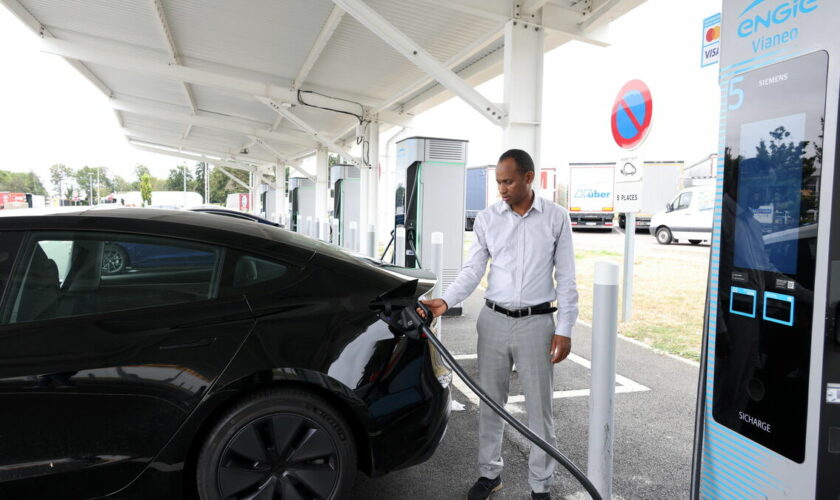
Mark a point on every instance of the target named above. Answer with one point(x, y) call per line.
point(503, 341)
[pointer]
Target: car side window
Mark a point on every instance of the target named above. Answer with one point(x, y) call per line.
point(67, 274)
point(249, 273)
point(685, 201)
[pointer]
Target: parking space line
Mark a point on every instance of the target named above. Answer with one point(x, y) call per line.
point(625, 385)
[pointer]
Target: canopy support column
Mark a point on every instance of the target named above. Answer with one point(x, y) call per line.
point(523, 88)
point(322, 184)
point(373, 184)
point(280, 203)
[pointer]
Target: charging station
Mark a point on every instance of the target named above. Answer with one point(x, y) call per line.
point(301, 202)
point(768, 422)
point(430, 190)
point(344, 183)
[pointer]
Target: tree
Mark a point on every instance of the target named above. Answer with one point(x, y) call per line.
point(59, 175)
point(221, 185)
point(146, 189)
point(21, 182)
point(86, 180)
point(175, 181)
point(121, 185)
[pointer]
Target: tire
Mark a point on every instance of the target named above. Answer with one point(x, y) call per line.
point(695, 242)
point(664, 236)
point(114, 259)
point(239, 459)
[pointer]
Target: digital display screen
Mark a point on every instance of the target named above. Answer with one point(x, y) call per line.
point(769, 220)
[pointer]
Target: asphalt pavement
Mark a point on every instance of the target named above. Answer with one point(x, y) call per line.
point(654, 419)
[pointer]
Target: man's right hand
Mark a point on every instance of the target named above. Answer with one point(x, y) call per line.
point(436, 306)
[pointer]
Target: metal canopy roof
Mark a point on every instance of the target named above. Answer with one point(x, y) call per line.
point(213, 78)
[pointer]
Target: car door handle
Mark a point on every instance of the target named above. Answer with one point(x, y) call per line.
point(197, 343)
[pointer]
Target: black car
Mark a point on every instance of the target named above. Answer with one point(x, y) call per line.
point(259, 368)
point(234, 213)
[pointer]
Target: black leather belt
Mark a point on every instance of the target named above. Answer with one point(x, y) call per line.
point(544, 308)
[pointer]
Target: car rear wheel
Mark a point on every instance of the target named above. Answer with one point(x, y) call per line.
point(279, 443)
point(663, 236)
point(694, 242)
point(114, 259)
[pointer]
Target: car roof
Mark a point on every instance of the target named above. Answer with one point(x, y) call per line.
point(198, 226)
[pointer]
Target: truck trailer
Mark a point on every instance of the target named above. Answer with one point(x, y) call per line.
point(590, 195)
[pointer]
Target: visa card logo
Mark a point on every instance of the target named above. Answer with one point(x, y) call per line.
point(765, 18)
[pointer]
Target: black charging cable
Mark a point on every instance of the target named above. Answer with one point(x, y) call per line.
point(410, 323)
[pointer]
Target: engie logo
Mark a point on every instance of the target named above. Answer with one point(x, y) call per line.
point(767, 18)
point(591, 193)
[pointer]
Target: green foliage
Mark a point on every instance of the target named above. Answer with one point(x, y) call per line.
point(121, 185)
point(146, 189)
point(175, 181)
point(221, 185)
point(157, 184)
point(60, 175)
point(21, 182)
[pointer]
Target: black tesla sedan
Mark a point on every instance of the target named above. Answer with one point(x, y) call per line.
point(258, 368)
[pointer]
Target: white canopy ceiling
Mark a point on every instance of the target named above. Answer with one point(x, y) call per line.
point(216, 78)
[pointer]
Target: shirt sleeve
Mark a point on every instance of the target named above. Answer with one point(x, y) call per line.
point(473, 269)
point(564, 277)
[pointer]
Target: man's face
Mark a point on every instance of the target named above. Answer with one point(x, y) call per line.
point(514, 186)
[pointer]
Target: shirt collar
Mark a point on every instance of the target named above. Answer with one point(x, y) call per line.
point(536, 205)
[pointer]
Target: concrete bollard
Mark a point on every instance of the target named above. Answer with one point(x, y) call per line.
point(352, 237)
point(602, 394)
point(399, 246)
point(371, 241)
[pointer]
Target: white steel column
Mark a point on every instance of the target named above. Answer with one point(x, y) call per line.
point(322, 183)
point(523, 88)
point(281, 207)
point(373, 185)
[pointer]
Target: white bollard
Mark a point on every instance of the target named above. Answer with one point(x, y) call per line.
point(399, 246)
point(324, 231)
point(334, 233)
point(437, 268)
point(602, 394)
point(308, 227)
point(298, 222)
point(371, 241)
point(352, 236)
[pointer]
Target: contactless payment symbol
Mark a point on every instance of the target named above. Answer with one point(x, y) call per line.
point(632, 114)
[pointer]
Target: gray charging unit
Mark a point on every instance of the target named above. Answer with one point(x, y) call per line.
point(768, 421)
point(301, 203)
point(344, 182)
point(430, 198)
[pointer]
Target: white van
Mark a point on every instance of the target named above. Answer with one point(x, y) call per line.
point(687, 217)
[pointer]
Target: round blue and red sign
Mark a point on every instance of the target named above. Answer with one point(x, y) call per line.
point(632, 114)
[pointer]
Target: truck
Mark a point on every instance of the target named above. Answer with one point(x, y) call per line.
point(239, 201)
point(663, 179)
point(481, 190)
point(660, 180)
point(12, 200)
point(590, 195)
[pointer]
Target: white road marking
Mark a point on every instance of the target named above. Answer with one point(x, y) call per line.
point(625, 385)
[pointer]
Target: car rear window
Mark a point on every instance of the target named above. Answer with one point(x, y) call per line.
point(66, 274)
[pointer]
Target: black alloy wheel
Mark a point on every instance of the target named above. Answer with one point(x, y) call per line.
point(114, 259)
point(282, 444)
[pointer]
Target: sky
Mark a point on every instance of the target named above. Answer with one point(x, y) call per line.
point(50, 114)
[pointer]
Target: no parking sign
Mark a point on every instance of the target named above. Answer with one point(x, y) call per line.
point(631, 114)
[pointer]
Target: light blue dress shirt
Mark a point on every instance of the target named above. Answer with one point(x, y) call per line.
point(525, 252)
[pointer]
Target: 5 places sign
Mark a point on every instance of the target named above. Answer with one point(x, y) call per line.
point(628, 184)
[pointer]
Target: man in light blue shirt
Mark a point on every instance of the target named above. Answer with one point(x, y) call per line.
point(528, 242)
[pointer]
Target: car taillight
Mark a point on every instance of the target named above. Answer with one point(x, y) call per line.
point(442, 372)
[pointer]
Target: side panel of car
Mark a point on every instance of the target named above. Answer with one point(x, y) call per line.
point(103, 384)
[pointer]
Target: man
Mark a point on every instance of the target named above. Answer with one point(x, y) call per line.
point(525, 238)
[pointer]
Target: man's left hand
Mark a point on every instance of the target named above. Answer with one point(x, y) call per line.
point(560, 348)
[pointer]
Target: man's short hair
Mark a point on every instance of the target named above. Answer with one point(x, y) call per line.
point(524, 162)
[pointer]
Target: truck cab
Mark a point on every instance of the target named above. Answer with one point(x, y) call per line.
point(687, 217)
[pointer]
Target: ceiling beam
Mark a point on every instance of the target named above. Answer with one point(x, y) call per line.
point(233, 177)
point(169, 42)
point(325, 141)
point(133, 62)
point(176, 142)
point(320, 44)
point(494, 10)
point(421, 58)
point(213, 122)
point(604, 12)
point(159, 149)
point(531, 6)
point(292, 163)
point(569, 24)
